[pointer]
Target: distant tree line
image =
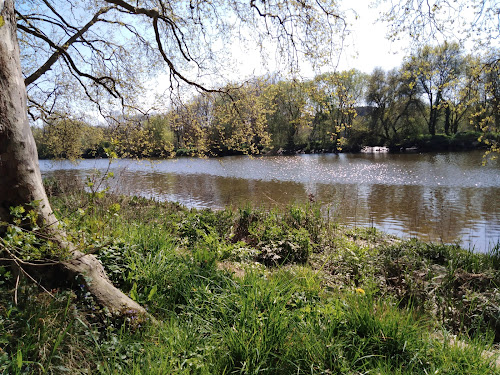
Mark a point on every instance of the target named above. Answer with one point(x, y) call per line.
point(439, 98)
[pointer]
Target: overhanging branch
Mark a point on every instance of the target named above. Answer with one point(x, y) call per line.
point(60, 50)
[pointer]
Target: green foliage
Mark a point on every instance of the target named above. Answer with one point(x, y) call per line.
point(198, 224)
point(460, 283)
point(145, 138)
point(281, 237)
point(437, 94)
point(288, 117)
point(39, 334)
point(65, 138)
point(22, 239)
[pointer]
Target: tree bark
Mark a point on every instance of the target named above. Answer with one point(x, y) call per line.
point(21, 181)
point(447, 119)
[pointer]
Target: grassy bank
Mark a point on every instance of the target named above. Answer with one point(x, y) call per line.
point(248, 291)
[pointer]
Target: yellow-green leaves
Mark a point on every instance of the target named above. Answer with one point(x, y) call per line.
point(2, 22)
point(63, 137)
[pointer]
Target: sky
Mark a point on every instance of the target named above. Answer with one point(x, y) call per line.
point(368, 46)
point(364, 49)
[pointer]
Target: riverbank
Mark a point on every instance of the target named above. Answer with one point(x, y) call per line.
point(248, 291)
point(359, 140)
point(462, 141)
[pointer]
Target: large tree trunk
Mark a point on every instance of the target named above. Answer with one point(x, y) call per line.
point(21, 181)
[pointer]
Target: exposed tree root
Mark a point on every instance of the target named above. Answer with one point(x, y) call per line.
point(84, 269)
point(89, 270)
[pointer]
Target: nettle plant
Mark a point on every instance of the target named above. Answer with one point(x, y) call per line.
point(23, 240)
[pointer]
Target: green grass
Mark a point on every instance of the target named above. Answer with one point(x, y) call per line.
point(249, 291)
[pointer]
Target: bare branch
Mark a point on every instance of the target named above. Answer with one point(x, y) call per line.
point(60, 50)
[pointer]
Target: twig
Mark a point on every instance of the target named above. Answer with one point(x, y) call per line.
point(16, 259)
point(15, 291)
point(36, 282)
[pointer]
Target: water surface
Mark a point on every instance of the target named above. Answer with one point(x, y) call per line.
point(446, 197)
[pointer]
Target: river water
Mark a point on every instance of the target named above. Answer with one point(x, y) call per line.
point(441, 197)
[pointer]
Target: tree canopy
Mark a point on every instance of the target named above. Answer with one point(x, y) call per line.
point(475, 21)
point(106, 53)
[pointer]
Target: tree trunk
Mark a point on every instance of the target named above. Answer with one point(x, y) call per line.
point(447, 119)
point(21, 181)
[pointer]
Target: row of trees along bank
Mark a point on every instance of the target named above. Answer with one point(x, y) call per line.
point(440, 98)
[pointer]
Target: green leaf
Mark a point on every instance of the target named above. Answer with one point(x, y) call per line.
point(19, 359)
point(133, 292)
point(152, 292)
point(115, 207)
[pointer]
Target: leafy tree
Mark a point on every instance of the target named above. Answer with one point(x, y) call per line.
point(461, 96)
point(335, 96)
point(141, 136)
point(240, 120)
point(492, 86)
point(436, 70)
point(394, 99)
point(66, 138)
point(475, 22)
point(289, 116)
point(190, 123)
point(161, 135)
point(486, 114)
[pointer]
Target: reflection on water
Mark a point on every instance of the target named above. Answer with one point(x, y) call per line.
point(445, 197)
